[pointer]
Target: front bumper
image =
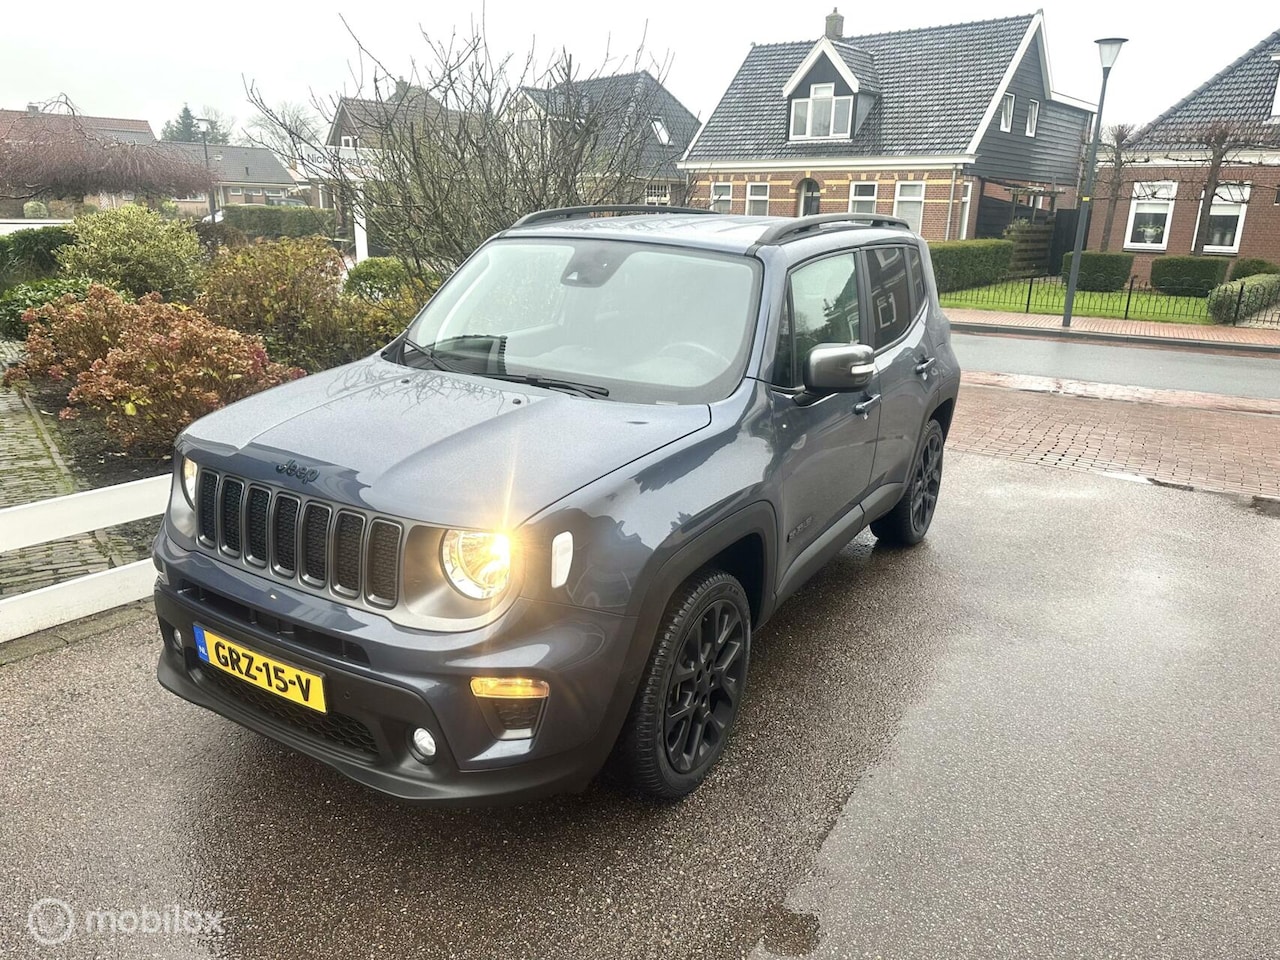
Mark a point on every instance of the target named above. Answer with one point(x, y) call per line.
point(382, 681)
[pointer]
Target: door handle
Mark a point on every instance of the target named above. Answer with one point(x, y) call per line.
point(924, 366)
point(866, 406)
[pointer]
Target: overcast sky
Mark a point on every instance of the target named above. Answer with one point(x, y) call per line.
point(114, 61)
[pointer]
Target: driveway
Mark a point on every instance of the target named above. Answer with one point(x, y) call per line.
point(1050, 731)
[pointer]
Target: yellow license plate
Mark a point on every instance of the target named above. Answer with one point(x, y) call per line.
point(268, 673)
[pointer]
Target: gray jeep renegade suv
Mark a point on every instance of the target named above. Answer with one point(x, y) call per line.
point(543, 524)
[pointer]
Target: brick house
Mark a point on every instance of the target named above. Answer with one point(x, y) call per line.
point(957, 129)
point(1160, 197)
point(240, 175)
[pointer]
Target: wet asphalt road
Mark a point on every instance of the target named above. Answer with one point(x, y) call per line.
point(1049, 731)
point(1159, 368)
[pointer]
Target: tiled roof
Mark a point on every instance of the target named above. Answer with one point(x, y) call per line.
point(1242, 93)
point(233, 164)
point(365, 117)
point(934, 84)
point(115, 128)
point(623, 93)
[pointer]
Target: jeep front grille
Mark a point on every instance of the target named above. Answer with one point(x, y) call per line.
point(300, 539)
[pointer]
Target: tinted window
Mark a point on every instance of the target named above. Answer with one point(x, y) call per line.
point(890, 291)
point(917, 280)
point(823, 308)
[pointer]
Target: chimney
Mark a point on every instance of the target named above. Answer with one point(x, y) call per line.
point(33, 108)
point(402, 87)
point(835, 25)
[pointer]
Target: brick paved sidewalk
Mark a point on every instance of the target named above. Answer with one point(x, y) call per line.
point(1208, 449)
point(1183, 332)
point(31, 469)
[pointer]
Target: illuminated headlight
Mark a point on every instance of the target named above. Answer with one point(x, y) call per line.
point(478, 565)
point(189, 468)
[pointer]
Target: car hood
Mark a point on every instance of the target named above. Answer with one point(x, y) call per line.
point(430, 445)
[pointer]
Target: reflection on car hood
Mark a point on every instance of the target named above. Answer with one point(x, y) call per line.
point(436, 446)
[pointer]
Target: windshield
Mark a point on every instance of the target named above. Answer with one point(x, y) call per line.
point(646, 323)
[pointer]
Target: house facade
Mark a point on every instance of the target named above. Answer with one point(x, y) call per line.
point(1159, 196)
point(956, 129)
point(240, 175)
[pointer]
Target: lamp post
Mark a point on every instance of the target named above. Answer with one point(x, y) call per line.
point(1108, 50)
point(205, 124)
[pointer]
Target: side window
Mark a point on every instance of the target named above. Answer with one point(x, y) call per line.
point(890, 292)
point(918, 295)
point(822, 308)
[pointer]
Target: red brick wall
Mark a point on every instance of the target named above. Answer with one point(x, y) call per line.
point(834, 186)
point(1260, 236)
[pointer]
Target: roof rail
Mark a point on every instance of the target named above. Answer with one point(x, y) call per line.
point(573, 213)
point(799, 226)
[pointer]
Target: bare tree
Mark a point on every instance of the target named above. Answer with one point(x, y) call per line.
point(53, 154)
point(1223, 142)
point(1117, 157)
point(277, 135)
point(469, 143)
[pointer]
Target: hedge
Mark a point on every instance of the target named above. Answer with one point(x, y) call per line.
point(1187, 276)
point(1251, 295)
point(256, 220)
point(960, 264)
point(1100, 272)
point(31, 253)
point(1251, 266)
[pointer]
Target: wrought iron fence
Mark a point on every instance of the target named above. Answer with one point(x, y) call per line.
point(1135, 299)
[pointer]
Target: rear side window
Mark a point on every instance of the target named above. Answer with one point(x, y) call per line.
point(822, 307)
point(889, 283)
point(918, 295)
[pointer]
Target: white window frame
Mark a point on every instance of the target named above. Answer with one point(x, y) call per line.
point(657, 194)
point(274, 192)
point(818, 92)
point(966, 197)
point(349, 142)
point(864, 185)
point(1151, 192)
point(661, 132)
point(754, 196)
point(1033, 117)
point(1242, 190)
point(235, 191)
point(726, 197)
point(899, 200)
point(1006, 112)
point(1275, 104)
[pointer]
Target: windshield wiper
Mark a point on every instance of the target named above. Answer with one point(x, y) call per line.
point(551, 383)
point(428, 354)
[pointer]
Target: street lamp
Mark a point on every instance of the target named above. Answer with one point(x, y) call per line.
point(1108, 50)
point(205, 126)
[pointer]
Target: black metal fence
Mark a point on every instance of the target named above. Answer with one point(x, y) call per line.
point(1233, 303)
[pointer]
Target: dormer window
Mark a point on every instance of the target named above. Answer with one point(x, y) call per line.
point(822, 115)
point(660, 131)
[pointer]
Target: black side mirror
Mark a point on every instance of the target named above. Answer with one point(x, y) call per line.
point(839, 368)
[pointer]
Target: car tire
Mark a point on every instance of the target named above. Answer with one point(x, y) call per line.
point(908, 522)
point(692, 688)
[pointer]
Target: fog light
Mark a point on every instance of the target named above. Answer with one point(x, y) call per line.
point(423, 744)
point(175, 637)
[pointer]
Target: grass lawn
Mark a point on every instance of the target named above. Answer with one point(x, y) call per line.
point(1049, 294)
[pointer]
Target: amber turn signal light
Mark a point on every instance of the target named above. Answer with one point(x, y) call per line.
point(510, 688)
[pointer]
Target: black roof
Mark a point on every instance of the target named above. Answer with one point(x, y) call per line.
point(934, 85)
point(622, 95)
point(235, 164)
point(1242, 93)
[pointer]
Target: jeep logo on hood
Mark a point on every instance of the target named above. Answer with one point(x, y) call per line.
point(294, 469)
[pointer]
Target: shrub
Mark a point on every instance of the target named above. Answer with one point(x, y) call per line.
point(959, 264)
point(1100, 272)
point(5, 246)
point(285, 291)
point(135, 249)
point(164, 374)
point(16, 301)
point(66, 336)
point(33, 253)
point(34, 210)
point(376, 278)
point(214, 236)
point(1187, 276)
point(256, 220)
point(1241, 299)
point(1252, 266)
